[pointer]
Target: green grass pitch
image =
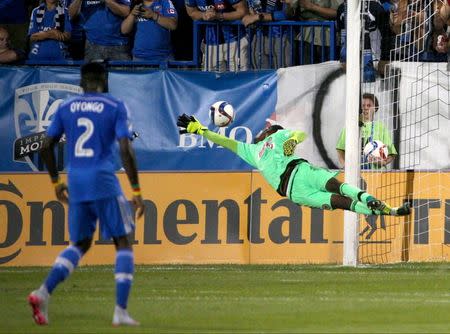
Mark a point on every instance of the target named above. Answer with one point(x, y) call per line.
point(239, 299)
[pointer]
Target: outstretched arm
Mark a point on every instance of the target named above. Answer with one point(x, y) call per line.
point(192, 125)
point(226, 142)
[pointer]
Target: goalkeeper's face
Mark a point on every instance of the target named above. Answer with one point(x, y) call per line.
point(266, 133)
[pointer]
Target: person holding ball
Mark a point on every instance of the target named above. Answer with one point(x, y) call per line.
point(371, 131)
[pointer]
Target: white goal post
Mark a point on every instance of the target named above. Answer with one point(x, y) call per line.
point(352, 106)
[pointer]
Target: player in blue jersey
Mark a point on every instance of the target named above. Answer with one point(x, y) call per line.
point(154, 20)
point(49, 30)
point(92, 122)
point(101, 20)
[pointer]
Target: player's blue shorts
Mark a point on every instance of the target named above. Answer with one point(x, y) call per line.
point(113, 213)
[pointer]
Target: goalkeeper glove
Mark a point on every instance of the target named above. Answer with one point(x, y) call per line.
point(190, 125)
point(290, 144)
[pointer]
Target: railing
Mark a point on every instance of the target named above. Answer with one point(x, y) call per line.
point(264, 45)
point(267, 40)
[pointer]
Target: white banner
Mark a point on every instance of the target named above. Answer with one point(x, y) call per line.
point(312, 99)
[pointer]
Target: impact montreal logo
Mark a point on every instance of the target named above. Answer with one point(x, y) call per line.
point(34, 107)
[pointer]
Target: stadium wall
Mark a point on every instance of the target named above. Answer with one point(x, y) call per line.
point(188, 227)
point(219, 217)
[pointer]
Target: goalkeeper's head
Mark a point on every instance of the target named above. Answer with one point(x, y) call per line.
point(94, 78)
point(266, 133)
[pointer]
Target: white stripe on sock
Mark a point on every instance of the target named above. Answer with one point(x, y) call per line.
point(65, 263)
point(125, 252)
point(123, 277)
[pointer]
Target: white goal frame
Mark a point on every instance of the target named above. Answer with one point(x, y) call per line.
point(352, 106)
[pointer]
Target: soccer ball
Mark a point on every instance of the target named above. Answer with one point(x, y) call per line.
point(221, 113)
point(376, 149)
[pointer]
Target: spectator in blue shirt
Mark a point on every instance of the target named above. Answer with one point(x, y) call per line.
point(49, 30)
point(226, 50)
point(154, 19)
point(101, 20)
point(267, 50)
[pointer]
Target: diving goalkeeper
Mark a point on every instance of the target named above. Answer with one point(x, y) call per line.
point(293, 177)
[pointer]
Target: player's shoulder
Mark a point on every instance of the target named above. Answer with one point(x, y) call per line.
point(68, 101)
point(110, 97)
point(119, 104)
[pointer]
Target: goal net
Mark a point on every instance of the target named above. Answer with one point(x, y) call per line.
point(412, 120)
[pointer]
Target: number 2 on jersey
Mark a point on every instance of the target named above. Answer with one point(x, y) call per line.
point(80, 150)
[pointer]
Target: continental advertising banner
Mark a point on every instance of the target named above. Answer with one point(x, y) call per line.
point(232, 217)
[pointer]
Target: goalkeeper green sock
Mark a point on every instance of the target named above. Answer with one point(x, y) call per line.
point(354, 193)
point(361, 208)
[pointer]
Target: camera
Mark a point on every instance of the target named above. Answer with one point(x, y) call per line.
point(141, 8)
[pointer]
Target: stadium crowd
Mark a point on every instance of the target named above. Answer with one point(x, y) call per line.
point(159, 31)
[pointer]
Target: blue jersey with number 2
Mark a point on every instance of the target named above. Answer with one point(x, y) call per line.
point(92, 123)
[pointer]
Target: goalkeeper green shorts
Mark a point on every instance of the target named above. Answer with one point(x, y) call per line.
point(308, 186)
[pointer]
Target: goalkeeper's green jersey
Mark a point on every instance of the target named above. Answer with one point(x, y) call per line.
point(268, 156)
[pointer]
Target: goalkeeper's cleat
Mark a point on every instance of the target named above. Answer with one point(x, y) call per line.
point(38, 301)
point(122, 318)
point(403, 210)
point(379, 206)
point(289, 146)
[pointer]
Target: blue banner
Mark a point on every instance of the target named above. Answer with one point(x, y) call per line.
point(30, 96)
